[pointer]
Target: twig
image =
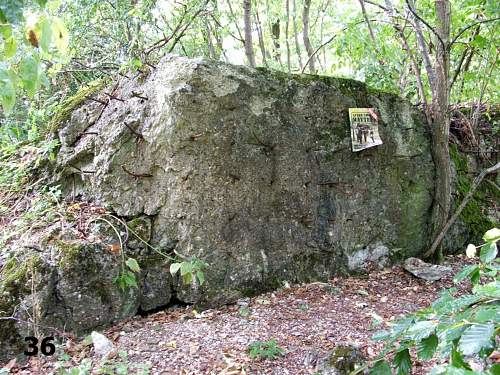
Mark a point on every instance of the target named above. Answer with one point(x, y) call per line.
point(314, 53)
point(454, 40)
point(469, 195)
point(139, 175)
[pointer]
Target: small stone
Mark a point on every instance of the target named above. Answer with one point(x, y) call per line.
point(102, 346)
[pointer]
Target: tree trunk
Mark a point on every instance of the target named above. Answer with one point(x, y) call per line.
point(305, 35)
point(247, 15)
point(441, 120)
point(296, 34)
point(262, 45)
point(287, 42)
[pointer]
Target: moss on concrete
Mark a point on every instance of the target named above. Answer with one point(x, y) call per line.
point(73, 102)
point(474, 214)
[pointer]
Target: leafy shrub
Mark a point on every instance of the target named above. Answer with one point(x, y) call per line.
point(265, 349)
point(455, 329)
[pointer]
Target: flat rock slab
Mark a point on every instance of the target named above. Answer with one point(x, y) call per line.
point(426, 271)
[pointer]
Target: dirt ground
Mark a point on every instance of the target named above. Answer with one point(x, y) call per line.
point(306, 321)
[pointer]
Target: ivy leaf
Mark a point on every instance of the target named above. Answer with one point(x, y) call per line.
point(380, 368)
point(402, 361)
point(133, 265)
point(488, 252)
point(475, 338)
point(427, 347)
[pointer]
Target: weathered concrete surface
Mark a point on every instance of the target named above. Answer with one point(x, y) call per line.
point(250, 171)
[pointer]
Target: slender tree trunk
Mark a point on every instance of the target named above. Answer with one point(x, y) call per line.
point(262, 45)
point(275, 36)
point(296, 34)
point(305, 35)
point(441, 120)
point(211, 49)
point(287, 42)
point(247, 15)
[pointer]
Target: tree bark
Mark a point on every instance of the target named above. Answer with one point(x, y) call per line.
point(441, 121)
point(262, 45)
point(247, 15)
point(287, 42)
point(305, 35)
point(296, 34)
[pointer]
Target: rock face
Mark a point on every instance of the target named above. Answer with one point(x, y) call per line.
point(249, 170)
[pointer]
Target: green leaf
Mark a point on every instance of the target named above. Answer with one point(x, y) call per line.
point(133, 265)
point(475, 338)
point(130, 279)
point(495, 369)
point(7, 91)
point(488, 314)
point(488, 252)
point(29, 74)
point(201, 276)
point(10, 47)
point(11, 11)
point(380, 368)
point(45, 29)
point(421, 330)
point(427, 347)
point(41, 3)
point(402, 361)
point(489, 290)
point(381, 335)
point(457, 360)
point(466, 271)
point(492, 235)
point(475, 276)
point(61, 35)
point(186, 268)
point(174, 267)
point(187, 278)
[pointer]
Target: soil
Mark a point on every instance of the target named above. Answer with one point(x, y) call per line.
point(306, 320)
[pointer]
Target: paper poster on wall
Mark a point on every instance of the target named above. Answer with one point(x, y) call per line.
point(364, 128)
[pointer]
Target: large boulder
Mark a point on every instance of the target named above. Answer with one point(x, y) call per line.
point(249, 170)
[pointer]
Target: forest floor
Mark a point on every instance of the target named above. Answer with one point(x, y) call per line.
point(306, 320)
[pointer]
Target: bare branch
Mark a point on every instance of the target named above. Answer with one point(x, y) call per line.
point(316, 51)
point(463, 30)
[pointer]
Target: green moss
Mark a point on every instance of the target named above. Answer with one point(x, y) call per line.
point(69, 252)
point(73, 102)
point(15, 274)
point(346, 86)
point(474, 214)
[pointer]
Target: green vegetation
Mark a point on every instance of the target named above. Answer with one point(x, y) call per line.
point(457, 329)
point(265, 350)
